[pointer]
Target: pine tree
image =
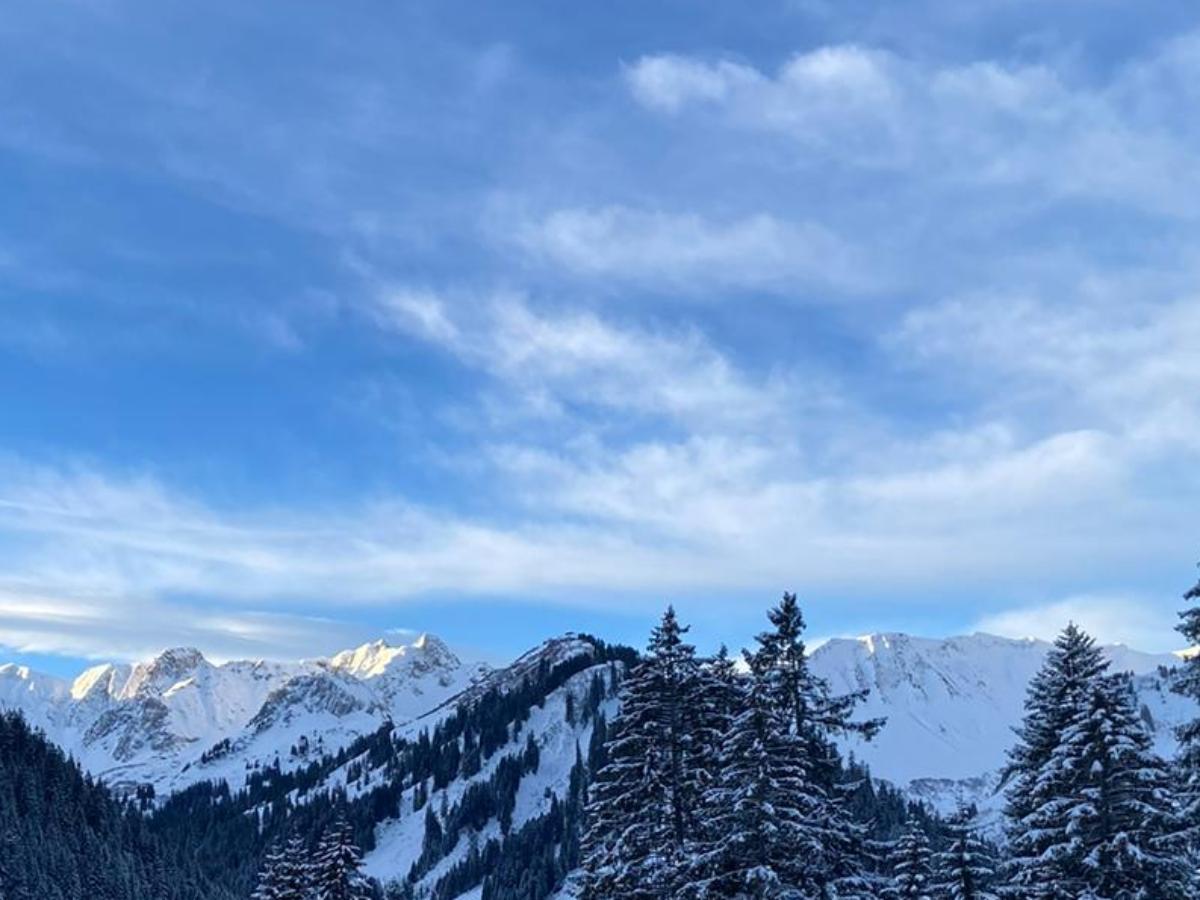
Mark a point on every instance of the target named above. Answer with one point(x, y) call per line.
point(1124, 816)
point(1091, 808)
point(762, 837)
point(284, 874)
point(777, 821)
point(817, 717)
point(294, 872)
point(336, 871)
point(1035, 788)
point(1188, 684)
point(717, 702)
point(965, 869)
point(911, 862)
point(642, 803)
point(269, 875)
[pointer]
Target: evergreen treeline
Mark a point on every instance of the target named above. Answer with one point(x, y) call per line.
point(718, 783)
point(64, 837)
point(331, 871)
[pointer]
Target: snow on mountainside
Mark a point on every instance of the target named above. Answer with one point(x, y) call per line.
point(951, 705)
point(178, 718)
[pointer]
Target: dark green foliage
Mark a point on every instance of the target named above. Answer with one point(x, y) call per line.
point(63, 837)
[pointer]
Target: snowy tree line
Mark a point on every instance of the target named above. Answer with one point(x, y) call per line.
point(290, 871)
point(721, 782)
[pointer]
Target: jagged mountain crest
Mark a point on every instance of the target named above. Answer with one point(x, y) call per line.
point(157, 720)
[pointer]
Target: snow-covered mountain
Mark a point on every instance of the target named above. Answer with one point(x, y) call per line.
point(951, 705)
point(178, 718)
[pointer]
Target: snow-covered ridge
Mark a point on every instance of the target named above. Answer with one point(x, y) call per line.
point(951, 704)
point(178, 718)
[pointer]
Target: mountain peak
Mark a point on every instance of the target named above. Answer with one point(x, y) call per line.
point(179, 657)
point(377, 657)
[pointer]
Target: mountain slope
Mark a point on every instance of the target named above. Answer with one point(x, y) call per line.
point(495, 762)
point(951, 704)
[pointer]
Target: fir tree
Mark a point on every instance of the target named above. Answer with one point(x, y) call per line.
point(1091, 809)
point(643, 801)
point(1035, 789)
point(1188, 684)
point(293, 873)
point(965, 869)
point(911, 863)
point(816, 717)
point(269, 886)
point(762, 812)
point(336, 871)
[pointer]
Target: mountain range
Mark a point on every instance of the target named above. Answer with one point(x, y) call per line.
point(179, 719)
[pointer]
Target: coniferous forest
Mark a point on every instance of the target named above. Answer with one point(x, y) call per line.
point(721, 777)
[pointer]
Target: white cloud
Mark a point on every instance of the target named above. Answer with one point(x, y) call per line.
point(670, 82)
point(1126, 363)
point(688, 251)
point(577, 358)
point(122, 628)
point(1140, 622)
point(982, 123)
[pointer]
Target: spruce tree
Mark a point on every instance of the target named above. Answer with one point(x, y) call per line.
point(642, 803)
point(1035, 789)
point(763, 836)
point(293, 872)
point(336, 871)
point(816, 717)
point(1090, 806)
point(1188, 684)
point(1123, 818)
point(269, 875)
point(965, 869)
point(911, 863)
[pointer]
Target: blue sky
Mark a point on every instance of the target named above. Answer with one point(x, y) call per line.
point(320, 322)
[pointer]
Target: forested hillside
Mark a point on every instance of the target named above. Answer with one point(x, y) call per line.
point(64, 837)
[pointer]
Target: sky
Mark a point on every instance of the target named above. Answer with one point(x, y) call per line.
point(324, 322)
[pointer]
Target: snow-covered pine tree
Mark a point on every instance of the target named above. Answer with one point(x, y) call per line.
point(816, 716)
point(912, 866)
point(677, 672)
point(1091, 807)
point(642, 802)
point(716, 703)
point(293, 873)
point(965, 870)
point(336, 871)
point(1188, 684)
point(1123, 816)
point(269, 886)
point(762, 834)
point(1036, 792)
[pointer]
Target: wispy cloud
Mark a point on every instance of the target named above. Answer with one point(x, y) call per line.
point(571, 358)
point(688, 251)
point(1140, 622)
point(987, 122)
